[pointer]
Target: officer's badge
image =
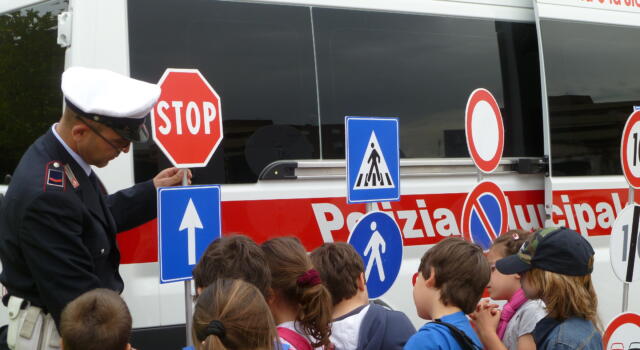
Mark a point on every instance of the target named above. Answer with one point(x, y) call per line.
point(71, 176)
point(54, 177)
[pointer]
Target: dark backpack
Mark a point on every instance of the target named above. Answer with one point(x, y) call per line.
point(463, 340)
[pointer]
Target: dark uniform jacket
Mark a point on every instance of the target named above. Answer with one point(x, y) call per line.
point(57, 241)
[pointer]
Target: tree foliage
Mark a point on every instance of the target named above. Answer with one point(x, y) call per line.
point(31, 64)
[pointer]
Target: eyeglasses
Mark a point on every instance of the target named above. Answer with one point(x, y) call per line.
point(123, 142)
point(415, 278)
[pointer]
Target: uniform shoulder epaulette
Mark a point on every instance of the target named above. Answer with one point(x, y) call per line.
point(56, 176)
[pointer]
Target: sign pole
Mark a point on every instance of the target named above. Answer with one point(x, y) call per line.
point(188, 301)
point(625, 285)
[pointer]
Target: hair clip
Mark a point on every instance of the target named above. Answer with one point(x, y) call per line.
point(515, 236)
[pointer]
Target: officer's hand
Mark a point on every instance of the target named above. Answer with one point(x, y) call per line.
point(171, 177)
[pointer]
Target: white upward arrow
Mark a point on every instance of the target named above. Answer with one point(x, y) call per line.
point(191, 221)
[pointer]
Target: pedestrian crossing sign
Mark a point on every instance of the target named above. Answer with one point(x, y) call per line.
point(373, 161)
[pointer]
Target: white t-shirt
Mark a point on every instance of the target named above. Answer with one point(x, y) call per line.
point(523, 322)
point(345, 330)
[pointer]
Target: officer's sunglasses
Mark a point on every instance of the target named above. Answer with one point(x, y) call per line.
point(122, 143)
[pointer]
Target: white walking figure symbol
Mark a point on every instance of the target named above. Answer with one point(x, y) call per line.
point(376, 246)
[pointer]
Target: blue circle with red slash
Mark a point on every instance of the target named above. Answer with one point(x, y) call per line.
point(484, 214)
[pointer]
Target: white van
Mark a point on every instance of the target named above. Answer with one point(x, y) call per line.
point(564, 72)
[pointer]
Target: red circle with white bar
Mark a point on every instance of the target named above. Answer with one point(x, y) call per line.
point(484, 214)
point(484, 130)
point(186, 123)
point(622, 332)
point(630, 150)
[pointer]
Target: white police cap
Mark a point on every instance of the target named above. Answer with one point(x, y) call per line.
point(110, 98)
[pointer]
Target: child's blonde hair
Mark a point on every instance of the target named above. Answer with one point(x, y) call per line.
point(232, 314)
point(566, 296)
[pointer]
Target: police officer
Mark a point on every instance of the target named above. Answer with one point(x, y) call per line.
point(57, 223)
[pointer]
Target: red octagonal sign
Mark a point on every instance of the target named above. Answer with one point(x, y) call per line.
point(186, 122)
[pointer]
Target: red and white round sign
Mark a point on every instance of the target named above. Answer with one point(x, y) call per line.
point(484, 130)
point(186, 123)
point(630, 150)
point(622, 333)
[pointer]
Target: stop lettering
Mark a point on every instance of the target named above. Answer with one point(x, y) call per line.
point(187, 120)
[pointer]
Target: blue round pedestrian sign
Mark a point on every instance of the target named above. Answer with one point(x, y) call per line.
point(378, 240)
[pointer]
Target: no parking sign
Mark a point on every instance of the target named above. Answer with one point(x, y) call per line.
point(484, 214)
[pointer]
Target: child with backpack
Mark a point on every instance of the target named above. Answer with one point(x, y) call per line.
point(449, 283)
point(511, 327)
point(357, 323)
point(555, 266)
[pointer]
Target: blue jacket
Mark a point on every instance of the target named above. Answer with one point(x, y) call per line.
point(574, 333)
point(384, 329)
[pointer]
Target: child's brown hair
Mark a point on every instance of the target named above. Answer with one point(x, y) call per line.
point(232, 314)
point(566, 296)
point(462, 272)
point(233, 257)
point(510, 242)
point(292, 276)
point(96, 320)
point(340, 266)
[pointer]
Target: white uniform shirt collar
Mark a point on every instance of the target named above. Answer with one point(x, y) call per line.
point(86, 167)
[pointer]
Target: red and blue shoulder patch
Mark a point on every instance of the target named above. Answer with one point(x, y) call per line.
point(54, 177)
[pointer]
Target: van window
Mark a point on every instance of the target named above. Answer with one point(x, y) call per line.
point(31, 64)
point(266, 60)
point(422, 69)
point(258, 58)
point(591, 74)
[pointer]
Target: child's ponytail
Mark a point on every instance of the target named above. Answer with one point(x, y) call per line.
point(314, 314)
point(294, 278)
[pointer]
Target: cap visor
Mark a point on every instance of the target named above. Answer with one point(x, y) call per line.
point(512, 265)
point(139, 135)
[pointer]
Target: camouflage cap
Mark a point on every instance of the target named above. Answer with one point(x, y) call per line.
point(558, 250)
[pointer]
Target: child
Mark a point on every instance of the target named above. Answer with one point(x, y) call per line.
point(510, 328)
point(357, 324)
point(555, 265)
point(233, 257)
point(448, 284)
point(300, 303)
point(232, 314)
point(96, 320)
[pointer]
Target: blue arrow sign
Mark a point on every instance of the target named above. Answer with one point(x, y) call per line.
point(373, 159)
point(188, 220)
point(378, 240)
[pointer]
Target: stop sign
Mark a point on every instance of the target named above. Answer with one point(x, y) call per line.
point(186, 123)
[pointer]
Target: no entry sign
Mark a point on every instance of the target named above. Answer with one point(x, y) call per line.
point(484, 214)
point(484, 130)
point(186, 122)
point(622, 333)
point(630, 150)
